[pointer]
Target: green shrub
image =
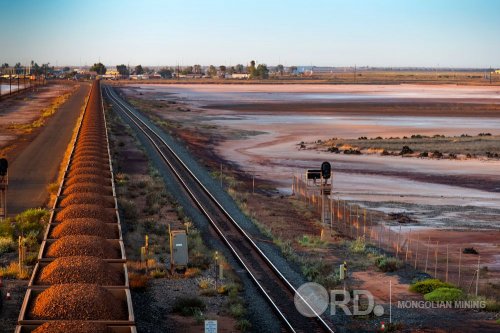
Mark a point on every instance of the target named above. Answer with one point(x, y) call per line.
point(128, 209)
point(311, 241)
point(445, 294)
point(388, 264)
point(429, 285)
point(158, 273)
point(312, 270)
point(330, 281)
point(237, 310)
point(188, 306)
point(243, 325)
point(6, 245)
point(6, 228)
point(206, 282)
point(358, 245)
point(32, 220)
point(492, 305)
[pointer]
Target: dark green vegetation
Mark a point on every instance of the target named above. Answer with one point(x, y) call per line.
point(436, 146)
point(99, 68)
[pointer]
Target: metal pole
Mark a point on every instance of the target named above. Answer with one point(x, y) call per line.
point(221, 175)
point(380, 237)
point(253, 184)
point(408, 245)
point(427, 254)
point(436, 260)
point(364, 223)
point(459, 266)
point(397, 243)
point(477, 278)
point(332, 207)
point(416, 253)
point(447, 247)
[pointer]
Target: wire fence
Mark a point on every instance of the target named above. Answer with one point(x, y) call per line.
point(449, 262)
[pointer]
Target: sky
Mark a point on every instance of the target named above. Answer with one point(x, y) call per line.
point(377, 33)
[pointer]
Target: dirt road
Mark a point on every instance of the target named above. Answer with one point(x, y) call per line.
point(37, 165)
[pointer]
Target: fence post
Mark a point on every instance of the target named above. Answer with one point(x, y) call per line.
point(408, 245)
point(397, 243)
point(364, 223)
point(436, 260)
point(416, 252)
point(427, 254)
point(332, 207)
point(459, 266)
point(380, 236)
point(446, 280)
point(477, 278)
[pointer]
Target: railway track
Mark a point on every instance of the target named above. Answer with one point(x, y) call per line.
point(275, 288)
point(80, 282)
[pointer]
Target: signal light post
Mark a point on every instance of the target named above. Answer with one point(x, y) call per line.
point(324, 175)
point(4, 182)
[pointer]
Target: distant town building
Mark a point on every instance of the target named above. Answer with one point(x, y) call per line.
point(240, 76)
point(497, 71)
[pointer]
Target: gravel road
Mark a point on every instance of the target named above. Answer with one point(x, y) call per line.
point(37, 165)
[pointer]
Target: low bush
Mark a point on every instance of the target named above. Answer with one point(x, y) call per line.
point(470, 250)
point(243, 325)
point(188, 306)
point(406, 150)
point(32, 220)
point(429, 285)
point(237, 310)
point(358, 245)
point(137, 281)
point(6, 228)
point(388, 264)
point(6, 245)
point(12, 271)
point(445, 294)
point(311, 241)
point(492, 305)
point(158, 273)
point(206, 282)
point(313, 269)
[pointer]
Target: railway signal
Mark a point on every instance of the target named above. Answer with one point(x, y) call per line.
point(4, 181)
point(326, 170)
point(4, 165)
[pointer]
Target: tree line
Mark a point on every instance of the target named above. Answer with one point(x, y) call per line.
point(260, 71)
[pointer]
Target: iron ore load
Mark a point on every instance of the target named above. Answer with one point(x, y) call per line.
point(80, 283)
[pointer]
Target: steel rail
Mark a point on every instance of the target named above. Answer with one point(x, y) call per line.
point(126, 110)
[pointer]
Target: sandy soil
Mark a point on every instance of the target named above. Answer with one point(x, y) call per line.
point(25, 108)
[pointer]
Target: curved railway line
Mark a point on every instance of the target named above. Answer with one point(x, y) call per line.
point(80, 283)
point(275, 288)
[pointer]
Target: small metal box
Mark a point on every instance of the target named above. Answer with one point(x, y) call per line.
point(178, 249)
